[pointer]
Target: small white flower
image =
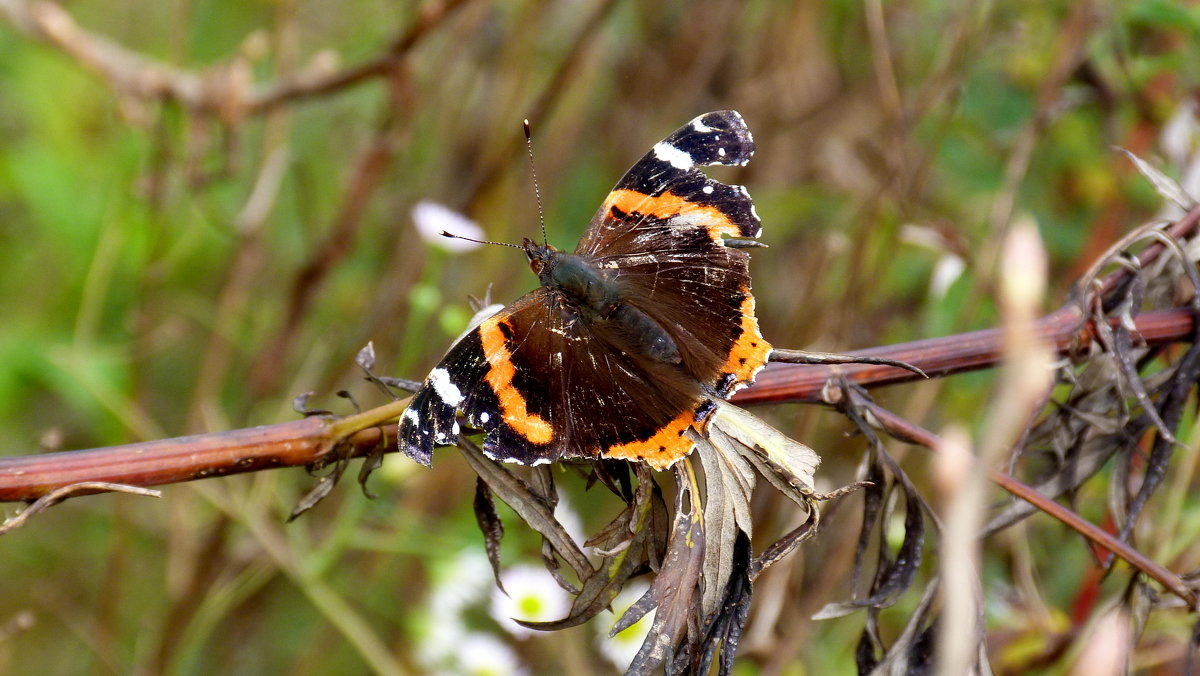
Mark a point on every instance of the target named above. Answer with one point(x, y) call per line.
point(456, 587)
point(486, 655)
point(464, 582)
point(1178, 136)
point(569, 519)
point(622, 648)
point(948, 269)
point(533, 596)
point(431, 218)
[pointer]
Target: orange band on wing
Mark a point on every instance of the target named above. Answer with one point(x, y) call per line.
point(500, 378)
point(750, 351)
point(669, 205)
point(661, 450)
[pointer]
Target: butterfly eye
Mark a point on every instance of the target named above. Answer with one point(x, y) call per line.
point(536, 265)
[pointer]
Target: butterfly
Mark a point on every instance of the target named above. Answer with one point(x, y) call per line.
point(628, 340)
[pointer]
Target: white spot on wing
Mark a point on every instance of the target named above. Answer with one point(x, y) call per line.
point(446, 390)
point(721, 152)
point(700, 126)
point(410, 415)
point(673, 156)
point(707, 190)
point(484, 417)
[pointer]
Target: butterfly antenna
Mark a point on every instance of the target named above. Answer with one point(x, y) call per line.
point(451, 235)
point(537, 193)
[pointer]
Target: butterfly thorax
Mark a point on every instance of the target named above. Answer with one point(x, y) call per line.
point(576, 278)
point(591, 292)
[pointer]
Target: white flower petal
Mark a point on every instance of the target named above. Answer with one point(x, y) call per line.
point(1178, 136)
point(431, 218)
point(486, 655)
point(948, 269)
point(456, 587)
point(622, 648)
point(533, 596)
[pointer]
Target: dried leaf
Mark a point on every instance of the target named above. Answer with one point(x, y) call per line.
point(626, 540)
point(300, 405)
point(614, 474)
point(725, 627)
point(346, 394)
point(892, 577)
point(1171, 403)
point(784, 545)
point(325, 484)
point(314, 495)
point(728, 484)
point(675, 585)
point(371, 462)
point(403, 384)
point(797, 460)
point(491, 526)
point(913, 649)
point(532, 509)
point(1092, 456)
point(366, 357)
point(1165, 185)
point(1119, 343)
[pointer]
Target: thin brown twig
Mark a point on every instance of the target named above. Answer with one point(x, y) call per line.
point(63, 492)
point(225, 90)
point(542, 106)
point(366, 177)
point(307, 85)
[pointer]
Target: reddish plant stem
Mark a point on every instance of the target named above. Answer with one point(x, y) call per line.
point(311, 440)
point(1065, 329)
point(166, 461)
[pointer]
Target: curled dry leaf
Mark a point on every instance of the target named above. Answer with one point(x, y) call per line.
point(491, 526)
point(1166, 186)
point(788, 464)
point(671, 592)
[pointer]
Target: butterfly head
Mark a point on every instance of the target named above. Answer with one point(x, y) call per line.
point(541, 256)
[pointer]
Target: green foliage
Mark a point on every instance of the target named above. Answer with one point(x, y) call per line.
point(137, 301)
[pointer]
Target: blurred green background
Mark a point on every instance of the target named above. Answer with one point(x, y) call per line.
point(172, 268)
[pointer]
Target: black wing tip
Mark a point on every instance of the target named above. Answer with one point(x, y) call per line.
point(719, 137)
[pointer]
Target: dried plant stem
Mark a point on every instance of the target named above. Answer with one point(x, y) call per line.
point(908, 431)
point(59, 494)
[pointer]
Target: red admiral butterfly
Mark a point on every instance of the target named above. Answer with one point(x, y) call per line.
point(629, 339)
